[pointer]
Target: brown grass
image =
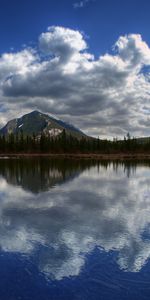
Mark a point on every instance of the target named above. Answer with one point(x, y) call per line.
point(118, 156)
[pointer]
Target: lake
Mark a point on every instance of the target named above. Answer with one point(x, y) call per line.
point(72, 229)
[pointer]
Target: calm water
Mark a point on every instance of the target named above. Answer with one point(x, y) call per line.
point(72, 230)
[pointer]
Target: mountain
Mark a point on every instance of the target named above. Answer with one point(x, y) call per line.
point(39, 123)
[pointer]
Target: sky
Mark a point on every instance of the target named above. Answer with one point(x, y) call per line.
point(87, 62)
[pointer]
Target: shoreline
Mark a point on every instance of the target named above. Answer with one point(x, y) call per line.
point(93, 156)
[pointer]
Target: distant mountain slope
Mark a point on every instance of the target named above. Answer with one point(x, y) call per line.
point(143, 140)
point(39, 123)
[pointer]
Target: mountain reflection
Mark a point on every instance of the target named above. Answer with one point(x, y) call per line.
point(37, 175)
point(99, 205)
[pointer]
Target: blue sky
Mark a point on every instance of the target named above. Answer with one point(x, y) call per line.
point(102, 21)
point(85, 61)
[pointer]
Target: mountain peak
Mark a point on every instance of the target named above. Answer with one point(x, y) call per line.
point(35, 112)
point(39, 123)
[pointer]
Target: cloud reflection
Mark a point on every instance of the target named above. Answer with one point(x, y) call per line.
point(101, 207)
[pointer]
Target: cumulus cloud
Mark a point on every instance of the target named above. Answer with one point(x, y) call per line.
point(132, 48)
point(113, 215)
point(105, 96)
point(61, 42)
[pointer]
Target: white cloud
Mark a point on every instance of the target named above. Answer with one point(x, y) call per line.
point(104, 96)
point(133, 49)
point(81, 4)
point(61, 41)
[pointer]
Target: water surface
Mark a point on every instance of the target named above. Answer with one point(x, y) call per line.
point(74, 230)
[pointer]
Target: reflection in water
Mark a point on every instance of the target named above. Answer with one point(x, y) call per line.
point(104, 205)
point(39, 175)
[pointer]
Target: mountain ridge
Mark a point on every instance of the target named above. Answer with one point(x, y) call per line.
point(38, 123)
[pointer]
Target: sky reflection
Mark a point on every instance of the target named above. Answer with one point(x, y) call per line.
point(90, 207)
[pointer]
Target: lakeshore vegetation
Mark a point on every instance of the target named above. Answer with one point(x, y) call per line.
point(64, 143)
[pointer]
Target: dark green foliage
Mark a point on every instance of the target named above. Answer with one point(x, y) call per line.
point(64, 143)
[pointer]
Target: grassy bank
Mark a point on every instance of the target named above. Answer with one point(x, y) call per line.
point(117, 156)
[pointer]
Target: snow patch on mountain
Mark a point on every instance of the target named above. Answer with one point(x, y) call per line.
point(54, 132)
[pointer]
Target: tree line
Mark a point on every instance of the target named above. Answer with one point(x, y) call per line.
point(64, 143)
